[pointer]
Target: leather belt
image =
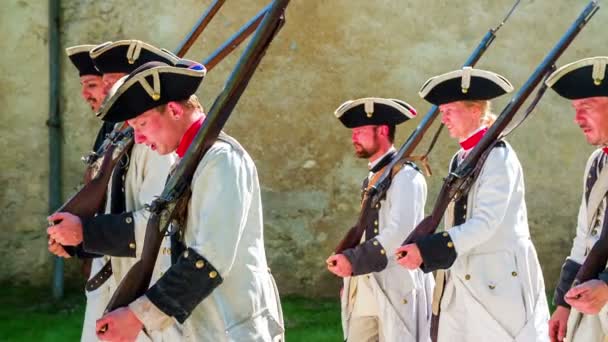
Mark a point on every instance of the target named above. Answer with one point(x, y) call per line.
point(98, 279)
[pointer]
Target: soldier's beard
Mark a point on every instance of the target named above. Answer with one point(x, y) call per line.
point(361, 152)
point(93, 103)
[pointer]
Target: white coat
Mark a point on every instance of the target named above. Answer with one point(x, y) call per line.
point(144, 181)
point(581, 327)
point(495, 290)
point(225, 226)
point(403, 297)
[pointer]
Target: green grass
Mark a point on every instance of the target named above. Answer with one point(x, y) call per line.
point(28, 314)
point(312, 320)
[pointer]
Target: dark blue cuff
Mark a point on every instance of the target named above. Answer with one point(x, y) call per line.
point(184, 285)
point(367, 257)
point(110, 234)
point(437, 252)
point(566, 278)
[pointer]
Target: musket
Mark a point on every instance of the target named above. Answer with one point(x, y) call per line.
point(164, 209)
point(595, 262)
point(458, 182)
point(198, 28)
point(377, 191)
point(210, 62)
point(232, 43)
point(181, 50)
point(91, 158)
point(89, 200)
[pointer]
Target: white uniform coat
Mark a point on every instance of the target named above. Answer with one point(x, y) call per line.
point(583, 328)
point(144, 181)
point(403, 296)
point(495, 290)
point(225, 226)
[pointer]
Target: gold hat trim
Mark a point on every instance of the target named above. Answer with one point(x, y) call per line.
point(134, 50)
point(469, 73)
point(72, 50)
point(123, 84)
point(598, 73)
point(369, 102)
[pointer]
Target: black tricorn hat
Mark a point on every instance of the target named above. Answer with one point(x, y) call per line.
point(581, 79)
point(79, 55)
point(149, 86)
point(466, 84)
point(124, 56)
point(374, 111)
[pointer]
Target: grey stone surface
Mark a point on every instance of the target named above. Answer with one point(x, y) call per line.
point(328, 52)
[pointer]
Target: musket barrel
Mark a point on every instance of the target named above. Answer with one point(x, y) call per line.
point(200, 26)
point(234, 41)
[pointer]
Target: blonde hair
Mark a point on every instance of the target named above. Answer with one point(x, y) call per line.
point(485, 107)
point(189, 104)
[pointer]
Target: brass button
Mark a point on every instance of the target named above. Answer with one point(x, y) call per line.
point(445, 234)
point(200, 264)
point(377, 205)
point(382, 251)
point(212, 274)
point(376, 223)
point(186, 253)
point(450, 244)
point(375, 243)
point(464, 207)
point(467, 277)
point(514, 274)
point(404, 301)
point(492, 287)
point(128, 219)
point(376, 231)
point(132, 245)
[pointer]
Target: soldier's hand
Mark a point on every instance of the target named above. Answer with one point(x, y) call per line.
point(57, 249)
point(588, 297)
point(558, 323)
point(68, 231)
point(412, 259)
point(118, 325)
point(339, 265)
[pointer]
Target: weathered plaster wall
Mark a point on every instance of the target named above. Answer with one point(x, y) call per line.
point(328, 52)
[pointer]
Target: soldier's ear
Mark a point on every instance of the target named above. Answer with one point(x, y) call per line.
point(175, 110)
point(383, 130)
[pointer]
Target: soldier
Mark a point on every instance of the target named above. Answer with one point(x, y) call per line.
point(492, 288)
point(584, 83)
point(92, 91)
point(382, 302)
point(138, 179)
point(219, 287)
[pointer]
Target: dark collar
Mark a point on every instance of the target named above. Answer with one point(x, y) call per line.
point(383, 162)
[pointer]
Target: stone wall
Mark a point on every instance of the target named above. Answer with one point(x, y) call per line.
point(328, 52)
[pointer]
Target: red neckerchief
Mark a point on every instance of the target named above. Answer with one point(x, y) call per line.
point(605, 149)
point(189, 136)
point(471, 141)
